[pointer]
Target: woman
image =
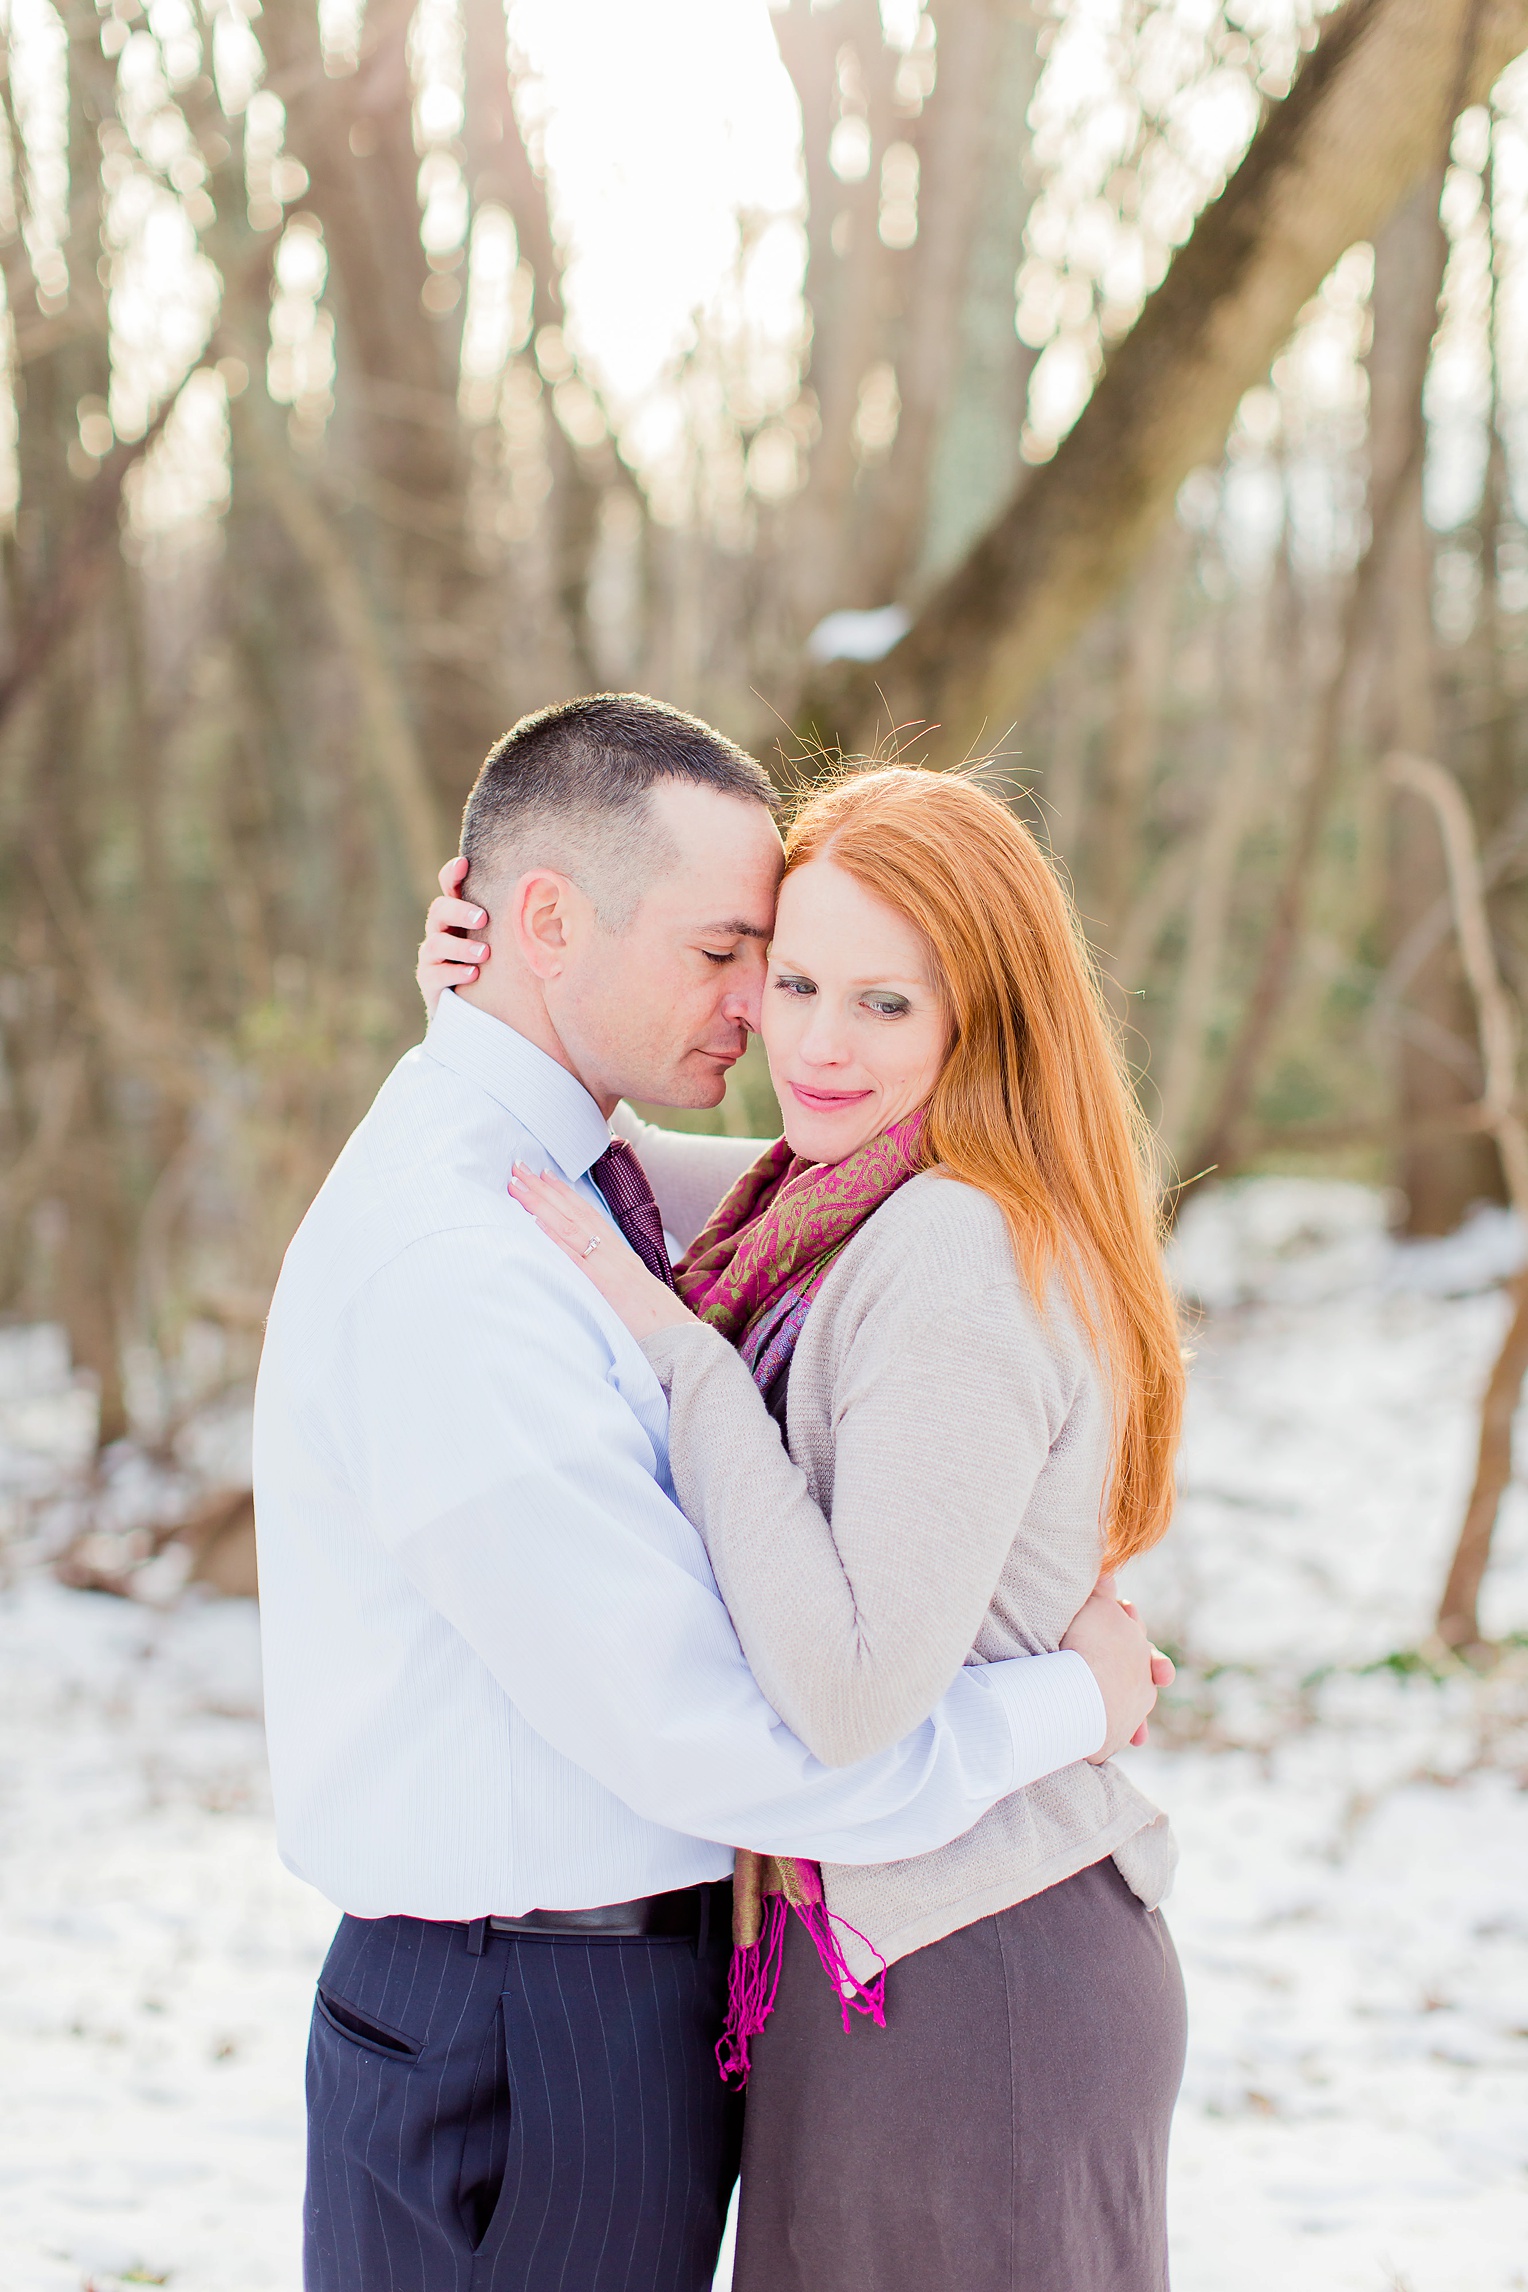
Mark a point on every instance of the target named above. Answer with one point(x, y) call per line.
point(943, 1287)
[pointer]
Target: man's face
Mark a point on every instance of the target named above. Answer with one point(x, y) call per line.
point(661, 1010)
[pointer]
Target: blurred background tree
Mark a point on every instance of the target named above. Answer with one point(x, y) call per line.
point(1129, 391)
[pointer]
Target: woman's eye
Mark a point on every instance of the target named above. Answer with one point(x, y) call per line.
point(789, 986)
point(888, 1006)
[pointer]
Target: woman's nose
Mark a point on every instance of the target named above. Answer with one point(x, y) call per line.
point(822, 1043)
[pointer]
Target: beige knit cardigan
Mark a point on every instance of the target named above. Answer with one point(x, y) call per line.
point(939, 1504)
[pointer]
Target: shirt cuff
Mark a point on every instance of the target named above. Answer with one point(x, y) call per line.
point(1054, 1710)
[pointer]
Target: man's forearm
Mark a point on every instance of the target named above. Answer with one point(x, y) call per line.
point(674, 1724)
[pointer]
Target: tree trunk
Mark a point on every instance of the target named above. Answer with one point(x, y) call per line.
point(976, 455)
point(1368, 115)
point(1131, 743)
point(1398, 433)
point(1439, 1169)
point(927, 283)
point(1498, 1027)
point(397, 445)
point(1459, 1612)
point(1230, 809)
point(847, 293)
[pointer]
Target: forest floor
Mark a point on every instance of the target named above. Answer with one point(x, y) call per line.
point(1351, 1910)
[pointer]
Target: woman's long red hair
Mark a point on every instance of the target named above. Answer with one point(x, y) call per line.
point(1034, 1105)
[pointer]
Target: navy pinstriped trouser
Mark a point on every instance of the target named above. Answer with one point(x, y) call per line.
point(500, 2113)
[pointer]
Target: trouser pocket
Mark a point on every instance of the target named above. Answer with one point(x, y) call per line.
point(364, 2029)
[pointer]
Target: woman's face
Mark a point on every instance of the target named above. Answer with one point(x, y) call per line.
point(853, 1022)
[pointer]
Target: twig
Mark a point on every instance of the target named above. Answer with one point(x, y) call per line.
point(1494, 1013)
point(1459, 1610)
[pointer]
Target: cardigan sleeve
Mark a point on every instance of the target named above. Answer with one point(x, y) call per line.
point(855, 1626)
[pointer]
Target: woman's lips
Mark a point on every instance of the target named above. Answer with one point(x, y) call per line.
point(827, 1101)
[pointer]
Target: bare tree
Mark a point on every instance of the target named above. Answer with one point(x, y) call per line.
point(1366, 118)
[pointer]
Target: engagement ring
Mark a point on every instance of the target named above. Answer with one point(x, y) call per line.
point(594, 1243)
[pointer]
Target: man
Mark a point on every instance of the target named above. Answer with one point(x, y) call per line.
point(513, 1736)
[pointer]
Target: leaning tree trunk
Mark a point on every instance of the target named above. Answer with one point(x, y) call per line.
point(1367, 116)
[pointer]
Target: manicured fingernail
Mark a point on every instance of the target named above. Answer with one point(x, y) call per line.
point(477, 953)
point(479, 918)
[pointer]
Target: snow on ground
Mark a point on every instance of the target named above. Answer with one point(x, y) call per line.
point(1352, 1909)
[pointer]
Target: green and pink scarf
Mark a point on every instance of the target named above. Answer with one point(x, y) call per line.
point(753, 1274)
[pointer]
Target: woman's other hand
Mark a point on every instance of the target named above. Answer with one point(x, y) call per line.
point(1106, 1632)
point(643, 1302)
point(446, 959)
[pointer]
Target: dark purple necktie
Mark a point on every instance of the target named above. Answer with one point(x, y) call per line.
point(622, 1180)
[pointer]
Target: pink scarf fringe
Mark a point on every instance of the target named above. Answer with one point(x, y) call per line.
point(754, 1981)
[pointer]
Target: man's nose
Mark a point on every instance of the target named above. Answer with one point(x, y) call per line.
point(743, 1002)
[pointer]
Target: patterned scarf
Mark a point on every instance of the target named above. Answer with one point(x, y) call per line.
point(754, 1271)
point(753, 1274)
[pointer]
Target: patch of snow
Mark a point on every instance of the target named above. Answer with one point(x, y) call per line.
point(1488, 1248)
point(48, 1414)
point(158, 1963)
point(1292, 1241)
point(858, 636)
point(217, 1444)
point(1350, 1908)
point(1328, 1454)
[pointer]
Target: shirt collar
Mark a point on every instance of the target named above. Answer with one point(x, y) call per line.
point(553, 1104)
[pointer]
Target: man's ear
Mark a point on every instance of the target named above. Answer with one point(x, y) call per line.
point(542, 919)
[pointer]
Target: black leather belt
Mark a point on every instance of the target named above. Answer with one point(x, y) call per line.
point(680, 1915)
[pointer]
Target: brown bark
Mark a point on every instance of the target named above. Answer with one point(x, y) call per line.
point(1459, 1611)
point(1131, 742)
point(846, 293)
point(83, 563)
point(928, 282)
point(1368, 115)
point(1397, 444)
point(1498, 1028)
point(388, 742)
point(1496, 1020)
point(58, 564)
point(976, 456)
point(1215, 867)
point(396, 441)
point(1439, 1173)
point(1439, 1170)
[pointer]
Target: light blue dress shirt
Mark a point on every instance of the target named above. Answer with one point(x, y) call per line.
point(499, 1676)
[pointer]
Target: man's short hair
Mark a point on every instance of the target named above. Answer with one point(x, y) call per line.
point(570, 788)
